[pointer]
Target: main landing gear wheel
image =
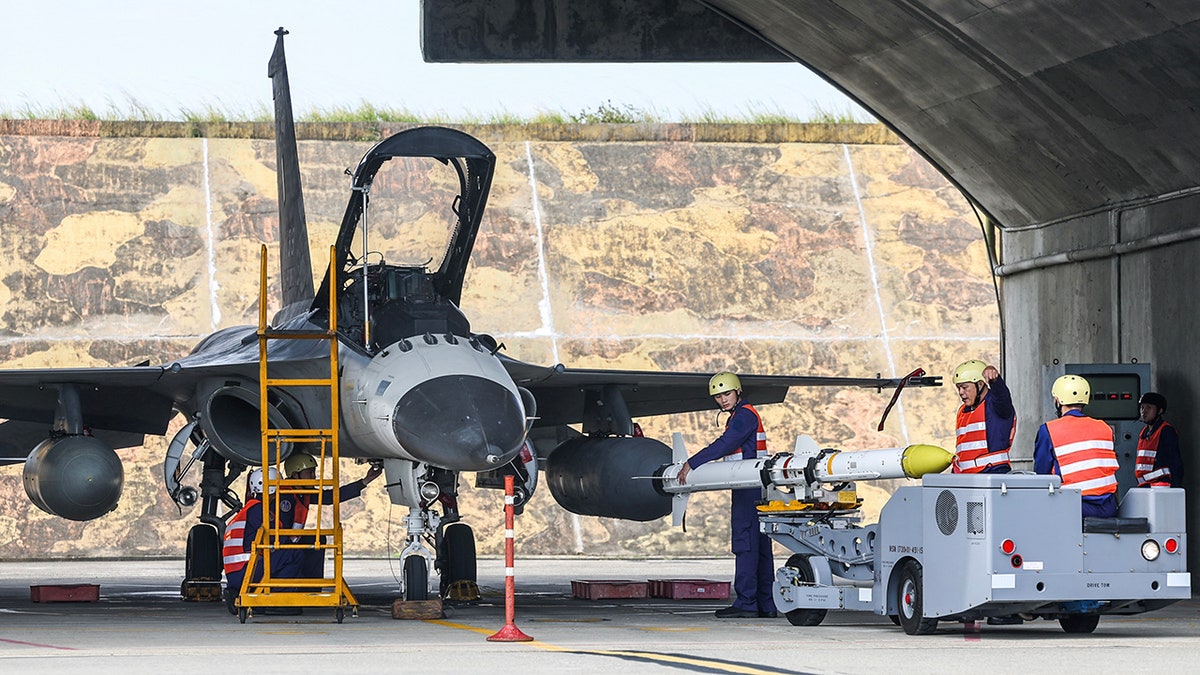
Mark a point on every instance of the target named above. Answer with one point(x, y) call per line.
point(804, 617)
point(459, 568)
point(416, 578)
point(910, 601)
point(1079, 623)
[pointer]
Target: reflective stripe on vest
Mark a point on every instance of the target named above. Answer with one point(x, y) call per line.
point(1147, 450)
point(760, 438)
point(971, 453)
point(234, 549)
point(1083, 448)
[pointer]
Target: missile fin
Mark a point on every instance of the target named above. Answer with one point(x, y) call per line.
point(678, 452)
point(679, 509)
point(806, 446)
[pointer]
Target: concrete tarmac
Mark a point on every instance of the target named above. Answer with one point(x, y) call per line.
point(140, 625)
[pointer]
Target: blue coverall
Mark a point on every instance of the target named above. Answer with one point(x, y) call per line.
point(754, 564)
point(999, 418)
point(308, 563)
point(254, 521)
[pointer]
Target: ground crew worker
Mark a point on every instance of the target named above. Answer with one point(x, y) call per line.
point(1159, 461)
point(986, 421)
point(310, 563)
point(1078, 448)
point(240, 532)
point(744, 438)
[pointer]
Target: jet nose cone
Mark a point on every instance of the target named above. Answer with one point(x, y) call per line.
point(460, 422)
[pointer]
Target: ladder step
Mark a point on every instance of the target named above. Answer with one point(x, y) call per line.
point(277, 582)
point(317, 434)
point(296, 334)
point(299, 382)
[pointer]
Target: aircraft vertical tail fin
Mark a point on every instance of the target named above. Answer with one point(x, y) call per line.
point(296, 281)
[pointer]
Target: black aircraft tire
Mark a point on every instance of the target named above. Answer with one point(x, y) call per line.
point(910, 601)
point(416, 578)
point(458, 552)
point(804, 617)
point(203, 561)
point(1079, 623)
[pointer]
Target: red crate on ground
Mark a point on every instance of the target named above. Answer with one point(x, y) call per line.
point(608, 589)
point(65, 593)
point(686, 589)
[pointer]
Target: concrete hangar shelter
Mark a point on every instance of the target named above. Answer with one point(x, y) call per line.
point(1072, 126)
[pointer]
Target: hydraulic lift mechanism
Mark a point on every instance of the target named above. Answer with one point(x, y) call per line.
point(957, 547)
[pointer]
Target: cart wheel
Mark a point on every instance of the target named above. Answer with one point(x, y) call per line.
point(804, 617)
point(910, 601)
point(242, 614)
point(1079, 623)
point(339, 614)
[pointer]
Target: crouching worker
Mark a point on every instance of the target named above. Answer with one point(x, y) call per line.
point(310, 563)
point(240, 532)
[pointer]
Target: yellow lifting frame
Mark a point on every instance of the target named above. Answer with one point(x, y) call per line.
point(271, 591)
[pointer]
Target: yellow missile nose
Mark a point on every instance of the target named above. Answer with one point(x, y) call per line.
point(919, 460)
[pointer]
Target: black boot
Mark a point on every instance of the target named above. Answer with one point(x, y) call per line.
point(736, 613)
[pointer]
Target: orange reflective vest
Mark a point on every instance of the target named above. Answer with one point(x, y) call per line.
point(760, 437)
point(971, 454)
point(234, 550)
point(1147, 450)
point(300, 512)
point(1083, 448)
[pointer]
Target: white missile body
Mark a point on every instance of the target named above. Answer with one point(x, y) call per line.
point(807, 466)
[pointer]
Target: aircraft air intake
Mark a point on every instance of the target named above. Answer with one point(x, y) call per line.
point(231, 421)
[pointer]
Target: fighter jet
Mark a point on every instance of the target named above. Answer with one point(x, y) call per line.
point(421, 390)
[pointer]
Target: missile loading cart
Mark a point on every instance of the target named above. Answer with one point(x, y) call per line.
point(966, 547)
point(957, 547)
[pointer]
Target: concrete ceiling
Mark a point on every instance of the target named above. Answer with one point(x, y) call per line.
point(1039, 111)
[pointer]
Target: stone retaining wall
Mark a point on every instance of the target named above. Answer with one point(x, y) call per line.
point(776, 249)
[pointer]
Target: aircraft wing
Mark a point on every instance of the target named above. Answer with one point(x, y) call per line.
point(565, 395)
point(122, 404)
point(120, 399)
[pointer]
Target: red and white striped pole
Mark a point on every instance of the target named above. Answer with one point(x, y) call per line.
point(510, 632)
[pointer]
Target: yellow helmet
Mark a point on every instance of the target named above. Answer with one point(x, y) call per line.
point(723, 382)
point(1071, 390)
point(299, 461)
point(969, 371)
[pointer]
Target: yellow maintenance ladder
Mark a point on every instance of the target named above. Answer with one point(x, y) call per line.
point(322, 444)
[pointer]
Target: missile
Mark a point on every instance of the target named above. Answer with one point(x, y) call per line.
point(807, 466)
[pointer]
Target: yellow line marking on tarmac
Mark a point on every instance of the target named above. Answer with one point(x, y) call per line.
point(708, 665)
point(460, 626)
